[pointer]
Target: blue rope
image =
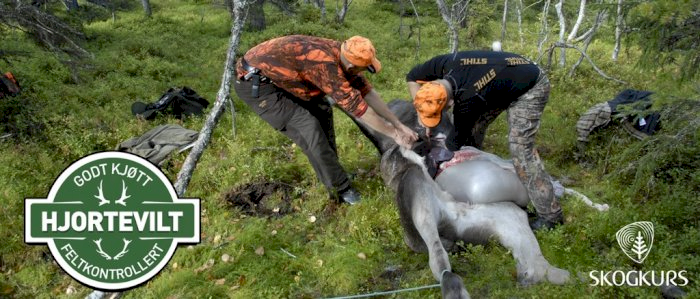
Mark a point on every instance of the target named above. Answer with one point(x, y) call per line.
point(388, 292)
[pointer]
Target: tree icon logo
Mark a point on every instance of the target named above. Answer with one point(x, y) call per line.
point(636, 240)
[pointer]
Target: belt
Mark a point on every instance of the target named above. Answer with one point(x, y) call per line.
point(253, 74)
point(252, 71)
point(249, 69)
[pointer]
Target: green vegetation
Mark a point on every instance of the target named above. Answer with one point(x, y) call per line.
point(347, 249)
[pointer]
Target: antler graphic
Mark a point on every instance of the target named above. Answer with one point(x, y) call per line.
point(100, 251)
point(124, 251)
point(101, 195)
point(124, 196)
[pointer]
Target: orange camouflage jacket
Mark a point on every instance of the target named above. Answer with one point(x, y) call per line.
point(308, 67)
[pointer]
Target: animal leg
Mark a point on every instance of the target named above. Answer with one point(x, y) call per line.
point(508, 223)
point(514, 233)
point(426, 216)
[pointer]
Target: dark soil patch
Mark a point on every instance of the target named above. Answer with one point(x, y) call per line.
point(262, 198)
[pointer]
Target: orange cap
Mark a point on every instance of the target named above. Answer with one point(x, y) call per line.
point(360, 52)
point(429, 102)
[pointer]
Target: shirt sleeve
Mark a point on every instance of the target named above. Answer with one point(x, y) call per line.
point(428, 71)
point(348, 94)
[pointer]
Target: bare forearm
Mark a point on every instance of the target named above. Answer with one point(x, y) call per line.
point(377, 123)
point(380, 108)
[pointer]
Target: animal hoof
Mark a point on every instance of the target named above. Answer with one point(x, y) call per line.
point(452, 287)
point(557, 276)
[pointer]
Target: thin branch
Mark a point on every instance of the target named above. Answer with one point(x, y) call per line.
point(586, 200)
point(598, 20)
point(544, 31)
point(569, 46)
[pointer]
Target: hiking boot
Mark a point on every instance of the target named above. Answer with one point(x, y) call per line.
point(350, 196)
point(541, 223)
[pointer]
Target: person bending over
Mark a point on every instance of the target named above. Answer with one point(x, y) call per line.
point(292, 81)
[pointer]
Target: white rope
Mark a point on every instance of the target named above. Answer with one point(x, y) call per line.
point(388, 292)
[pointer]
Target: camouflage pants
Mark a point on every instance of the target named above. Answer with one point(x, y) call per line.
point(524, 121)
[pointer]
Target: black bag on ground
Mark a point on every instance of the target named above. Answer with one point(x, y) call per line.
point(646, 123)
point(176, 101)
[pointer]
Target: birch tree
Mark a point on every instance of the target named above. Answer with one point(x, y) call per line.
point(588, 37)
point(256, 16)
point(579, 20)
point(185, 174)
point(562, 31)
point(503, 21)
point(146, 7)
point(519, 12)
point(618, 30)
point(453, 16)
point(544, 30)
point(341, 12)
point(71, 5)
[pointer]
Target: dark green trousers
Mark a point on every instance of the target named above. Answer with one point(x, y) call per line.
point(309, 124)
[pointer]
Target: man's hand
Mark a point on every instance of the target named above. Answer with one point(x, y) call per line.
point(405, 136)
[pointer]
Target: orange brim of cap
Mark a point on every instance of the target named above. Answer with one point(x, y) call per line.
point(376, 65)
point(430, 121)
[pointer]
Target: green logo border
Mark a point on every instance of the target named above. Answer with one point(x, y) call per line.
point(65, 175)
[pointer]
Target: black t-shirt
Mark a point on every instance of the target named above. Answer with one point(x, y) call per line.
point(498, 78)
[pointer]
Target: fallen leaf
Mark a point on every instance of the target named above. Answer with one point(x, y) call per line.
point(206, 266)
point(260, 251)
point(70, 290)
point(220, 281)
point(174, 265)
point(362, 256)
point(217, 239)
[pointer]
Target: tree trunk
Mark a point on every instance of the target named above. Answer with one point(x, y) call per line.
point(256, 16)
point(322, 7)
point(618, 30)
point(453, 30)
point(71, 5)
point(185, 174)
point(562, 31)
point(544, 31)
point(343, 11)
point(146, 7)
point(520, 19)
point(415, 11)
point(503, 22)
point(579, 20)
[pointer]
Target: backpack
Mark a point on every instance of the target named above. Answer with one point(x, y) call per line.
point(176, 101)
point(9, 85)
point(631, 107)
